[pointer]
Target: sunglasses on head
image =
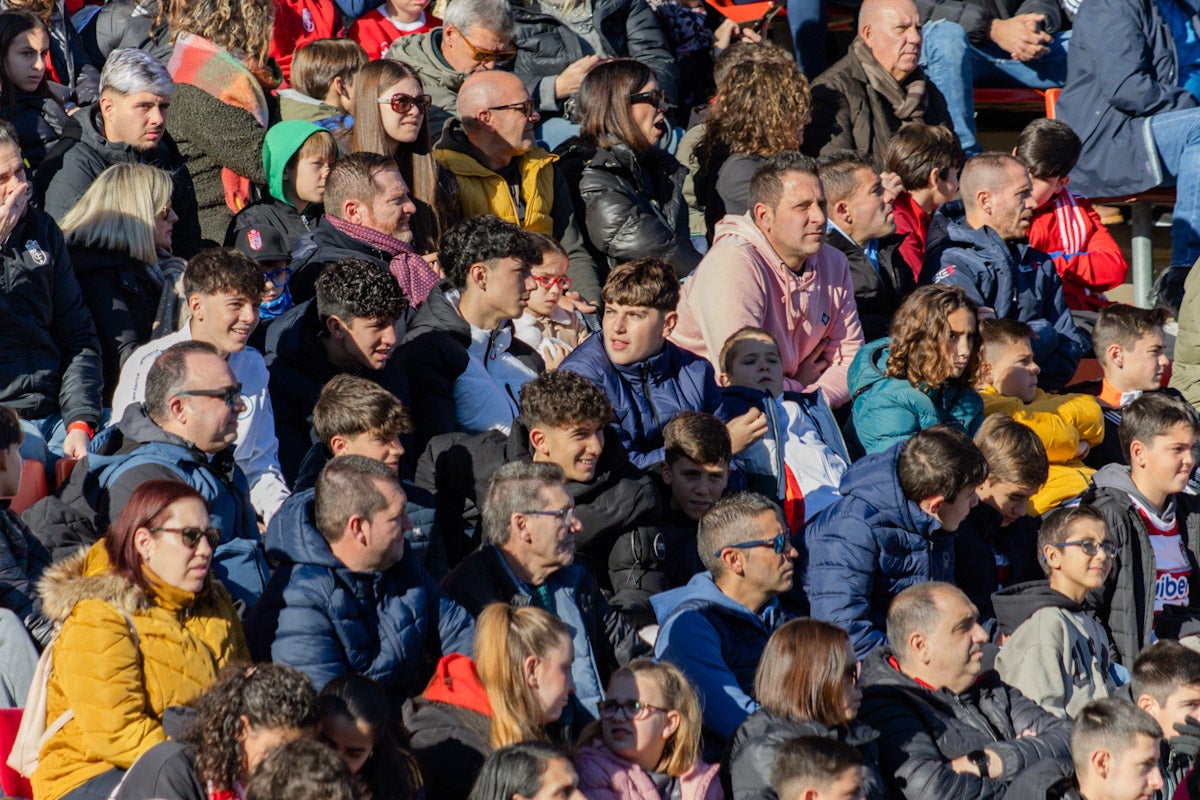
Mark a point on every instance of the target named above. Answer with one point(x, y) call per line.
point(655, 97)
point(547, 281)
point(401, 103)
point(191, 536)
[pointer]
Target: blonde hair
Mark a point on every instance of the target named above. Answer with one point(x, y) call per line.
point(504, 638)
point(118, 211)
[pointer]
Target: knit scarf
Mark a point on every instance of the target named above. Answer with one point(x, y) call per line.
point(198, 62)
point(413, 272)
point(909, 101)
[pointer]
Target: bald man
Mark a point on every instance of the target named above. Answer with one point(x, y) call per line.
point(862, 100)
point(501, 171)
point(979, 243)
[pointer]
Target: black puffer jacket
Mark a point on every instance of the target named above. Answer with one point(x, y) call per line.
point(49, 352)
point(546, 46)
point(126, 24)
point(750, 755)
point(921, 731)
point(325, 245)
point(633, 207)
point(977, 543)
point(877, 292)
point(40, 122)
point(22, 559)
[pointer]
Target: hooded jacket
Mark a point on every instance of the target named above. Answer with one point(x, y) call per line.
point(869, 546)
point(717, 643)
point(450, 729)
point(1126, 603)
point(743, 281)
point(282, 142)
point(40, 122)
point(423, 52)
point(65, 176)
point(888, 411)
point(647, 395)
point(117, 685)
point(1058, 654)
point(322, 618)
point(921, 730)
point(1011, 278)
point(604, 775)
point(22, 560)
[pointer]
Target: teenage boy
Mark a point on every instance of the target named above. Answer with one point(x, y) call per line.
point(354, 417)
point(662, 555)
point(1154, 524)
point(889, 530)
point(1069, 425)
point(647, 379)
point(927, 159)
point(996, 546)
point(1131, 349)
point(22, 556)
point(1056, 652)
point(1114, 745)
point(1166, 685)
point(817, 768)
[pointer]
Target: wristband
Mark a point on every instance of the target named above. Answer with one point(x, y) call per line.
point(80, 425)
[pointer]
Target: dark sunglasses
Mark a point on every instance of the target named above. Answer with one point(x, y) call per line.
point(525, 107)
point(1090, 548)
point(192, 536)
point(483, 56)
point(655, 97)
point(778, 544)
point(229, 394)
point(401, 103)
point(546, 281)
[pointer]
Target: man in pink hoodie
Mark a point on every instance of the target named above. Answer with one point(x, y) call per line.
point(771, 268)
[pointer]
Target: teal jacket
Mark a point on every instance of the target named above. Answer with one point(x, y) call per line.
point(889, 410)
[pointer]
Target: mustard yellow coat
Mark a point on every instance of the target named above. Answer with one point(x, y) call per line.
point(117, 688)
point(481, 191)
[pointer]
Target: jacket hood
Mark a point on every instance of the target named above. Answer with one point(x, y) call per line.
point(949, 227)
point(440, 313)
point(137, 428)
point(456, 683)
point(1116, 476)
point(872, 479)
point(283, 141)
point(454, 147)
point(422, 52)
point(454, 138)
point(869, 366)
point(1017, 603)
point(703, 587)
point(296, 540)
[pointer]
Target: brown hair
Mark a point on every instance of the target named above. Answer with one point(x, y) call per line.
point(1124, 324)
point(1014, 452)
point(696, 436)
point(939, 461)
point(916, 149)
point(919, 335)
point(607, 117)
point(13, 23)
point(802, 674)
point(646, 282)
point(747, 334)
point(239, 26)
point(318, 63)
point(1058, 524)
point(320, 144)
point(147, 507)
point(349, 405)
point(997, 335)
point(559, 398)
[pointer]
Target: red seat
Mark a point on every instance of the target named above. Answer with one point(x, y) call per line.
point(33, 486)
point(1011, 99)
point(62, 470)
point(12, 784)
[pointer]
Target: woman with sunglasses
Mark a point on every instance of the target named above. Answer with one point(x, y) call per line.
point(631, 192)
point(806, 685)
point(646, 745)
point(144, 628)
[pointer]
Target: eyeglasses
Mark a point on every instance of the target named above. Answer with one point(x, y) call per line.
point(778, 544)
point(1090, 548)
point(277, 277)
point(631, 709)
point(655, 97)
point(192, 536)
point(547, 281)
point(525, 107)
point(230, 394)
point(483, 56)
point(401, 103)
point(565, 516)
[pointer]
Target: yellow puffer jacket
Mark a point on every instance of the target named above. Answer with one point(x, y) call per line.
point(481, 191)
point(119, 689)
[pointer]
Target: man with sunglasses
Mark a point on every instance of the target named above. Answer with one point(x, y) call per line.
point(715, 627)
point(475, 36)
point(492, 151)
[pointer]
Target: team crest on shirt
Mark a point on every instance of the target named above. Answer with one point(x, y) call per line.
point(254, 239)
point(307, 21)
point(36, 252)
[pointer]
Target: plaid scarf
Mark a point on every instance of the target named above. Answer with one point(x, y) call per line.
point(413, 272)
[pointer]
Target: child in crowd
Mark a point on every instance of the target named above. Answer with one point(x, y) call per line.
point(927, 158)
point(817, 768)
point(997, 544)
point(546, 325)
point(1069, 425)
point(1166, 685)
point(378, 28)
point(303, 770)
point(920, 375)
point(1057, 652)
point(22, 556)
point(1065, 225)
point(662, 555)
point(322, 90)
point(29, 98)
point(801, 459)
point(1130, 346)
point(647, 379)
point(1153, 523)
point(890, 529)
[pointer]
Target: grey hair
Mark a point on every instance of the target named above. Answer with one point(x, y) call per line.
point(1111, 724)
point(516, 487)
point(491, 15)
point(915, 610)
point(725, 524)
point(129, 71)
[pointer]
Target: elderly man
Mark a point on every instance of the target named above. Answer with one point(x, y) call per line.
point(772, 269)
point(979, 243)
point(862, 100)
point(492, 151)
point(928, 696)
point(474, 36)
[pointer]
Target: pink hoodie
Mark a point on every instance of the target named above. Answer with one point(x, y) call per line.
point(743, 281)
point(603, 775)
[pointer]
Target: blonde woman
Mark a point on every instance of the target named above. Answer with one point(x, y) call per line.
point(116, 234)
point(519, 683)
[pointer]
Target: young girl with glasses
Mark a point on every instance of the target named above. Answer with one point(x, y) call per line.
point(646, 745)
point(546, 325)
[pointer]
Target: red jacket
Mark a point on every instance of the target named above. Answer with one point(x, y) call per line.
point(298, 22)
point(911, 219)
point(375, 32)
point(1085, 255)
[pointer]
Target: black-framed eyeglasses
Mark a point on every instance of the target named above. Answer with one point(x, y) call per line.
point(778, 544)
point(483, 56)
point(401, 103)
point(191, 536)
point(526, 107)
point(566, 516)
point(277, 277)
point(1090, 548)
point(655, 97)
point(632, 709)
point(229, 394)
